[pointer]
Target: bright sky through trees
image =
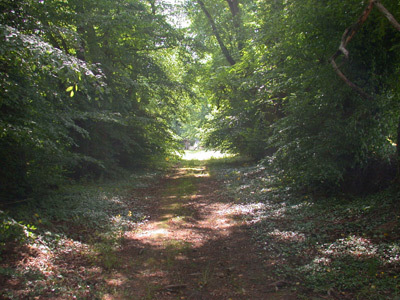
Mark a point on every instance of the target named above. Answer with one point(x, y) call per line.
point(90, 88)
point(93, 90)
point(175, 14)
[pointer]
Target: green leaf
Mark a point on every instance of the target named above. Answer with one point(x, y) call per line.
point(72, 94)
point(70, 88)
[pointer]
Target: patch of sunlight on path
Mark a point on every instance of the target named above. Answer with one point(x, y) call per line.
point(203, 155)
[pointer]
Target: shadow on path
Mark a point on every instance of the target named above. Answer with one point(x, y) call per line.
point(194, 246)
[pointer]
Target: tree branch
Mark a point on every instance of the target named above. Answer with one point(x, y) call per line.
point(348, 35)
point(237, 23)
point(153, 7)
point(388, 15)
point(224, 50)
point(350, 32)
point(234, 7)
point(348, 82)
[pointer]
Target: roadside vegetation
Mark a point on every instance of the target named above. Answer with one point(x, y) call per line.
point(316, 246)
point(92, 91)
point(322, 247)
point(64, 244)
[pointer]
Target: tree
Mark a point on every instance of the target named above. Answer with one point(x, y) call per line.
point(331, 134)
point(281, 98)
point(35, 111)
point(239, 120)
point(86, 90)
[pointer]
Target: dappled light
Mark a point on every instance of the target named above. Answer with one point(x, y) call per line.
point(318, 242)
point(191, 226)
point(203, 155)
point(181, 218)
point(351, 245)
point(290, 236)
point(199, 149)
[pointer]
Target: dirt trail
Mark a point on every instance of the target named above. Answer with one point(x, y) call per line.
point(194, 246)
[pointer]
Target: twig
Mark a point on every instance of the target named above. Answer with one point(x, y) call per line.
point(348, 35)
point(350, 83)
point(388, 15)
point(15, 202)
point(174, 287)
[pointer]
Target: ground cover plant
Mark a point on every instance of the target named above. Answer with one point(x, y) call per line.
point(313, 246)
point(94, 90)
point(63, 245)
point(330, 247)
point(149, 237)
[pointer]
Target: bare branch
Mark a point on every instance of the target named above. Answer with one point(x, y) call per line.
point(348, 82)
point(348, 35)
point(364, 16)
point(388, 15)
point(350, 32)
point(343, 43)
point(224, 50)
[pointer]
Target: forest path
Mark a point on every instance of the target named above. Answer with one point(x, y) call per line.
point(194, 246)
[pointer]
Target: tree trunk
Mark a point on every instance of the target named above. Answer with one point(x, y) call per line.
point(237, 23)
point(224, 50)
point(234, 7)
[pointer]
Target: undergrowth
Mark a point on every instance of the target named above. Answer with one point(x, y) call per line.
point(57, 245)
point(342, 247)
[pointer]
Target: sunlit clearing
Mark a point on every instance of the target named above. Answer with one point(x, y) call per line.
point(155, 233)
point(202, 175)
point(203, 155)
point(198, 172)
point(192, 169)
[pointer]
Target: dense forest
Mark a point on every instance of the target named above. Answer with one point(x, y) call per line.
point(88, 88)
point(94, 90)
point(278, 97)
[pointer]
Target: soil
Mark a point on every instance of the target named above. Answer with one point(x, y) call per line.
point(194, 246)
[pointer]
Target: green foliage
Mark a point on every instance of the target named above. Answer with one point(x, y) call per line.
point(282, 99)
point(344, 247)
point(69, 232)
point(88, 89)
point(91, 88)
point(34, 120)
point(190, 128)
point(327, 129)
point(13, 231)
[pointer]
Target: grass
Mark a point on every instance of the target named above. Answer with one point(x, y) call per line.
point(345, 247)
point(206, 275)
point(342, 247)
point(202, 155)
point(73, 236)
point(70, 237)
